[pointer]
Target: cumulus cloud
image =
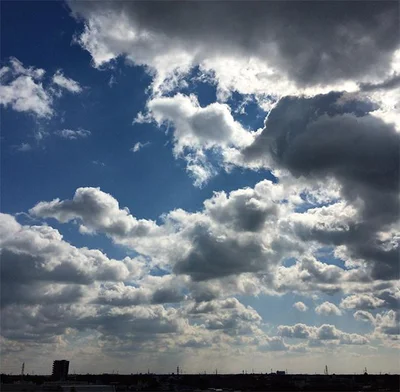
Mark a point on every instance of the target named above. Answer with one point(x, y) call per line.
point(300, 306)
point(328, 309)
point(231, 30)
point(208, 243)
point(386, 324)
point(37, 265)
point(316, 138)
point(98, 211)
point(197, 130)
point(22, 89)
point(388, 298)
point(325, 332)
point(71, 134)
point(361, 301)
point(246, 231)
point(25, 89)
point(236, 244)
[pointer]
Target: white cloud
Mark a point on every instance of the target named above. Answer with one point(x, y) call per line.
point(138, 146)
point(66, 83)
point(324, 333)
point(328, 309)
point(197, 131)
point(21, 89)
point(300, 306)
point(71, 134)
point(98, 211)
point(23, 147)
point(361, 301)
point(26, 89)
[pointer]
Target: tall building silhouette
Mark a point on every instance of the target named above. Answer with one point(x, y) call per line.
point(60, 370)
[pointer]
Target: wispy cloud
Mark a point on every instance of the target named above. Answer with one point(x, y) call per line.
point(138, 146)
point(67, 83)
point(72, 134)
point(23, 147)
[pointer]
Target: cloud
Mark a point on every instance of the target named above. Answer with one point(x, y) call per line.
point(237, 244)
point(228, 31)
point(247, 231)
point(387, 298)
point(361, 301)
point(387, 324)
point(300, 306)
point(21, 89)
point(315, 138)
point(70, 134)
point(365, 316)
point(211, 257)
point(328, 309)
point(388, 84)
point(38, 265)
point(197, 131)
point(98, 163)
point(66, 83)
point(209, 246)
point(324, 333)
point(23, 147)
point(98, 210)
point(138, 146)
point(27, 89)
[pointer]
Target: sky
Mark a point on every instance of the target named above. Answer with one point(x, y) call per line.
point(202, 184)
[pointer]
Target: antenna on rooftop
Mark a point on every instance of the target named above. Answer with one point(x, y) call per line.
point(326, 370)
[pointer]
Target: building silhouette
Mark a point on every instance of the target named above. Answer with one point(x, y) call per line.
point(60, 370)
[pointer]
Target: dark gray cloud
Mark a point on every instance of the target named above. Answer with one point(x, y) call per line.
point(211, 257)
point(121, 295)
point(312, 42)
point(322, 137)
point(388, 84)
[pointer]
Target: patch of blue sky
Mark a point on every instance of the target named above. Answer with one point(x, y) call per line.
point(278, 310)
point(203, 88)
point(247, 111)
point(326, 255)
point(49, 44)
point(310, 202)
point(159, 271)
point(289, 262)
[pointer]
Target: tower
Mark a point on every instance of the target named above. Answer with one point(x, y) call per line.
point(326, 370)
point(22, 370)
point(60, 370)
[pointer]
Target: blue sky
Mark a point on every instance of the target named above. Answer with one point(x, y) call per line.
point(180, 193)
